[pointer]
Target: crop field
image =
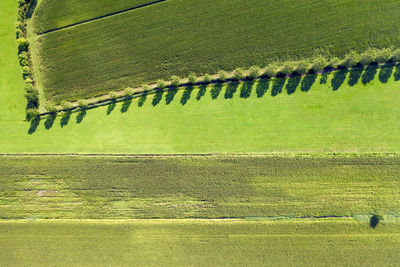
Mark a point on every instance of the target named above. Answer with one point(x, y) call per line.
point(330, 242)
point(176, 37)
point(198, 187)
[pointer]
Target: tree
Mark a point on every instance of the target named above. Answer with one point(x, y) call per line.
point(83, 103)
point(301, 67)
point(207, 78)
point(222, 75)
point(351, 60)
point(66, 105)
point(192, 78)
point(333, 62)
point(383, 55)
point(319, 63)
point(129, 91)
point(286, 68)
point(32, 113)
point(175, 81)
point(238, 74)
point(270, 70)
point(146, 88)
point(254, 72)
point(396, 55)
point(367, 57)
point(50, 107)
point(161, 84)
point(113, 95)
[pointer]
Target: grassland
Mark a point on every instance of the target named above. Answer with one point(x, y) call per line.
point(178, 37)
point(330, 242)
point(198, 187)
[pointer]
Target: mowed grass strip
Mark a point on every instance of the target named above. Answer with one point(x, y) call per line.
point(178, 37)
point(198, 187)
point(328, 242)
point(51, 14)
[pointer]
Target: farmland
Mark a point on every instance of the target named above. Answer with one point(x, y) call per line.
point(198, 186)
point(332, 242)
point(177, 37)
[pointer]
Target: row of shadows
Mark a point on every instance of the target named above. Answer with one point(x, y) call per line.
point(275, 86)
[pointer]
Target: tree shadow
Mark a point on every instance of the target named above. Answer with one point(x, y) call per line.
point(262, 87)
point(385, 73)
point(201, 92)
point(169, 97)
point(397, 73)
point(216, 90)
point(31, 9)
point(307, 82)
point(34, 124)
point(324, 78)
point(231, 89)
point(65, 119)
point(142, 100)
point(374, 221)
point(186, 95)
point(50, 121)
point(369, 73)
point(355, 75)
point(157, 97)
point(277, 86)
point(338, 79)
point(292, 84)
point(111, 107)
point(80, 116)
point(245, 90)
point(126, 105)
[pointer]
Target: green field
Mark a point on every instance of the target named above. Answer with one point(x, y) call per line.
point(178, 37)
point(198, 187)
point(328, 242)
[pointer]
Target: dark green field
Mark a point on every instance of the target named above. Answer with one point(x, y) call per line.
point(198, 187)
point(178, 37)
point(328, 242)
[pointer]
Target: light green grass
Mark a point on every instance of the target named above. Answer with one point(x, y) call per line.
point(198, 187)
point(12, 100)
point(199, 243)
point(177, 37)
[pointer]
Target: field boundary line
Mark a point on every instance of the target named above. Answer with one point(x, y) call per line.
point(102, 17)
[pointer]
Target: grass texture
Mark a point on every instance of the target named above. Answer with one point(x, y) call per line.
point(330, 242)
point(197, 187)
point(177, 37)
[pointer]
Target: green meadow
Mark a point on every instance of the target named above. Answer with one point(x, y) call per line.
point(328, 242)
point(177, 37)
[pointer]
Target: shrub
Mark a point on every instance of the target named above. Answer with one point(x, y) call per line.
point(29, 88)
point(396, 55)
point(223, 76)
point(286, 68)
point(383, 55)
point(66, 105)
point(129, 91)
point(83, 103)
point(22, 44)
point(351, 60)
point(22, 56)
point(28, 80)
point(32, 113)
point(367, 57)
point(175, 81)
point(23, 63)
point(238, 74)
point(192, 78)
point(113, 95)
point(270, 70)
point(50, 107)
point(301, 67)
point(161, 84)
point(254, 72)
point(319, 63)
point(207, 78)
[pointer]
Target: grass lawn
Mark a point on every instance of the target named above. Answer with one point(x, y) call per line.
point(178, 37)
point(330, 242)
point(198, 187)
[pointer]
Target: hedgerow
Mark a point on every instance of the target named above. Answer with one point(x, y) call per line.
point(24, 57)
